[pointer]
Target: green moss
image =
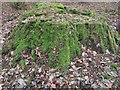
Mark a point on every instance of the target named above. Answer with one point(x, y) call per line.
point(17, 5)
point(64, 55)
point(112, 41)
point(10, 18)
point(104, 18)
point(55, 36)
point(22, 64)
point(74, 11)
point(107, 76)
point(74, 42)
point(60, 38)
point(19, 49)
point(57, 6)
point(103, 38)
point(103, 32)
point(33, 53)
point(40, 5)
point(53, 5)
point(87, 12)
point(113, 66)
point(64, 52)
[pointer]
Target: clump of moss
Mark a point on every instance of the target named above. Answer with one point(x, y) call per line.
point(87, 12)
point(74, 11)
point(17, 5)
point(107, 76)
point(60, 36)
point(57, 6)
point(113, 66)
point(56, 40)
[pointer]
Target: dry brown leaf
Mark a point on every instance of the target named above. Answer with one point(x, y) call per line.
point(52, 70)
point(86, 77)
point(84, 54)
point(102, 62)
point(74, 67)
point(72, 76)
point(86, 64)
point(66, 81)
point(71, 70)
point(25, 55)
point(12, 53)
point(89, 51)
point(76, 58)
point(53, 86)
point(29, 57)
point(80, 61)
point(85, 70)
point(109, 85)
point(94, 53)
point(51, 78)
point(40, 70)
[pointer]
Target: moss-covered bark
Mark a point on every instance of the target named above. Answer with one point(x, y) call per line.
point(60, 38)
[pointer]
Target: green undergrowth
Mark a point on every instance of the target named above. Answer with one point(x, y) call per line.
point(17, 5)
point(61, 38)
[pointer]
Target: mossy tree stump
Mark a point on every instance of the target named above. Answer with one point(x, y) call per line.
point(60, 32)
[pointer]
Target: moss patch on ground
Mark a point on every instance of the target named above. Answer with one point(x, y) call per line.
point(59, 32)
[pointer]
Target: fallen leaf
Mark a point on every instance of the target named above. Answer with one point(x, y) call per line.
point(74, 67)
point(71, 70)
point(22, 64)
point(80, 61)
point(52, 70)
point(53, 86)
point(94, 53)
point(84, 54)
point(39, 70)
point(86, 77)
point(72, 76)
point(12, 53)
point(21, 83)
point(25, 56)
point(102, 62)
point(109, 85)
point(51, 78)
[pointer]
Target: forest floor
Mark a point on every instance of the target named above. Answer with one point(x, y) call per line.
point(92, 70)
